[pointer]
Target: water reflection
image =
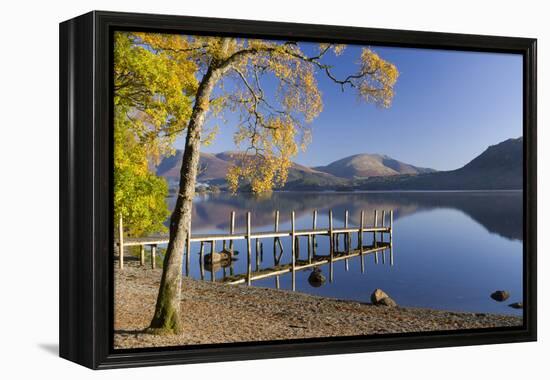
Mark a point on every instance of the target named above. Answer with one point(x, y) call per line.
point(498, 212)
point(450, 251)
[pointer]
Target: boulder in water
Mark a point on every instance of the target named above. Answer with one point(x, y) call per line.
point(316, 278)
point(500, 295)
point(217, 257)
point(516, 305)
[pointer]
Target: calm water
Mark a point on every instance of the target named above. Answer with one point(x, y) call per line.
point(451, 250)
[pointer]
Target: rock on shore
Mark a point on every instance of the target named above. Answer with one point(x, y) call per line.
point(380, 298)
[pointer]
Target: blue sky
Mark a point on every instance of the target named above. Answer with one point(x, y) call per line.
point(448, 108)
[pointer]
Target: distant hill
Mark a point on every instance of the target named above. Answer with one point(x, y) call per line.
point(370, 165)
point(214, 167)
point(499, 167)
point(211, 166)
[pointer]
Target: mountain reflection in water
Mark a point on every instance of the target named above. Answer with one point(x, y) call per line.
point(451, 249)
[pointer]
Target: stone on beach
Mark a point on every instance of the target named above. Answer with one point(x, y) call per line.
point(381, 298)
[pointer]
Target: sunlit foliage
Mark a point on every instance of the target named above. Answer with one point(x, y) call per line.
point(139, 195)
point(273, 126)
point(152, 107)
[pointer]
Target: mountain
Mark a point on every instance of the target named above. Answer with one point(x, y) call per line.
point(370, 165)
point(214, 167)
point(499, 167)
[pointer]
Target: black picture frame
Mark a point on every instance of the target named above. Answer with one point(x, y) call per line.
point(86, 223)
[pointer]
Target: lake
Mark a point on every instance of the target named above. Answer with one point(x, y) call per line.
point(451, 250)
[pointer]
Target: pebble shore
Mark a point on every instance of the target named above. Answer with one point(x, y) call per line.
point(219, 313)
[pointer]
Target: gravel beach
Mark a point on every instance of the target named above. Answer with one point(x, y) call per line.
point(219, 313)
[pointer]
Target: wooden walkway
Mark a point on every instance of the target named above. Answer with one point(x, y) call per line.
point(294, 234)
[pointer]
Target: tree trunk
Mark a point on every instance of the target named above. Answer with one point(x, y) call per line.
point(166, 319)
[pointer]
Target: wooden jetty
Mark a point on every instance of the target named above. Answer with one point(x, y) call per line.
point(378, 231)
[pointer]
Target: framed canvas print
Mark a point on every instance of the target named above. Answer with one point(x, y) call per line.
point(237, 189)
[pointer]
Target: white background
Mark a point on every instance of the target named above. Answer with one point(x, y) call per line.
point(29, 186)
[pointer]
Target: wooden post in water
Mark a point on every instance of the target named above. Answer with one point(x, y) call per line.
point(142, 255)
point(347, 235)
point(383, 224)
point(276, 240)
point(391, 255)
point(212, 251)
point(331, 240)
point(261, 252)
point(330, 233)
point(257, 254)
point(293, 240)
point(391, 226)
point(276, 229)
point(188, 251)
point(248, 250)
point(309, 248)
point(231, 231)
point(391, 238)
point(313, 239)
point(360, 235)
point(120, 243)
point(202, 251)
point(347, 239)
point(374, 243)
point(153, 256)
point(201, 262)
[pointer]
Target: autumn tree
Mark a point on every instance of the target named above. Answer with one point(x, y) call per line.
point(272, 128)
point(151, 102)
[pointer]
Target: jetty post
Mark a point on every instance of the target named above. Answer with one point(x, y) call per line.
point(248, 249)
point(347, 239)
point(383, 225)
point(153, 256)
point(201, 264)
point(313, 238)
point(360, 234)
point(293, 242)
point(142, 255)
point(212, 251)
point(257, 254)
point(360, 240)
point(391, 238)
point(231, 231)
point(202, 260)
point(276, 240)
point(330, 233)
point(374, 242)
point(120, 243)
point(188, 250)
point(348, 234)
